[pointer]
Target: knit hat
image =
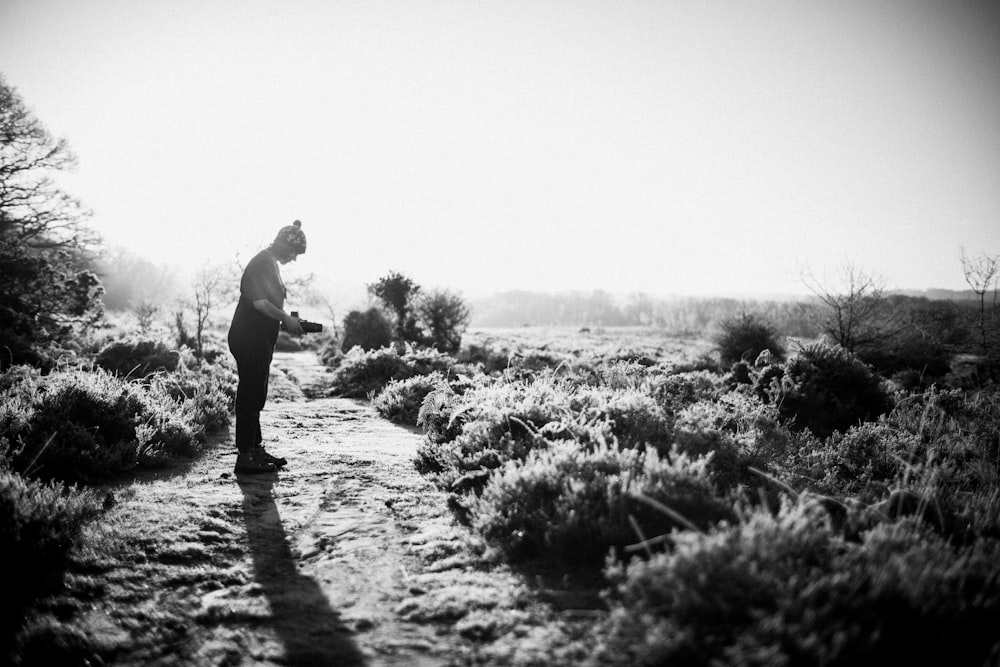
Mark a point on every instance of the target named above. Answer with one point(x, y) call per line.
point(292, 237)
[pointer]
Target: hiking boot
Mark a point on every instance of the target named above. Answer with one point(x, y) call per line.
point(263, 454)
point(251, 463)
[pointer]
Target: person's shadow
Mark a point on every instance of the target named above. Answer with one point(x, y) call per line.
point(311, 631)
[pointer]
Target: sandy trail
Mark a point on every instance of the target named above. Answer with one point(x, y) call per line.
point(334, 538)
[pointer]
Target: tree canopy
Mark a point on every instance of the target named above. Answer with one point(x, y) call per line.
point(48, 291)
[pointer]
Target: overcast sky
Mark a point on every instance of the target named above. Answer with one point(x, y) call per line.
point(667, 147)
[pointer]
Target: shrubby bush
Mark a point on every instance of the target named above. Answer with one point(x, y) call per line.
point(488, 359)
point(369, 330)
point(400, 400)
point(787, 589)
point(679, 390)
point(476, 431)
point(529, 363)
point(137, 358)
point(636, 418)
point(864, 460)
point(744, 337)
point(489, 423)
point(87, 426)
point(206, 393)
point(361, 374)
point(573, 504)
point(39, 523)
point(444, 316)
point(826, 389)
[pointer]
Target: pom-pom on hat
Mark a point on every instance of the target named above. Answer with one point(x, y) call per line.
point(293, 237)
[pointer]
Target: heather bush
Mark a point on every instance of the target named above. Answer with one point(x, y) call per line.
point(788, 590)
point(864, 460)
point(491, 423)
point(87, 426)
point(361, 374)
point(756, 427)
point(618, 374)
point(826, 389)
point(400, 400)
point(39, 523)
point(636, 418)
point(206, 394)
point(677, 390)
point(571, 504)
point(137, 358)
point(744, 337)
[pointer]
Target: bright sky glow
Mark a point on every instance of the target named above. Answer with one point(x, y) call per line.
point(665, 146)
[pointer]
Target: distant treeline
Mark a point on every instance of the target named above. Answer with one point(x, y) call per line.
point(791, 317)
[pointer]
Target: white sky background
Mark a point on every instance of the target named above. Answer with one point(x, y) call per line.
point(666, 147)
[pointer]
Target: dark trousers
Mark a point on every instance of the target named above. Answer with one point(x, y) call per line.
point(253, 364)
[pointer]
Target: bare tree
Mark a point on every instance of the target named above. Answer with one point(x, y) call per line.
point(982, 273)
point(213, 286)
point(855, 314)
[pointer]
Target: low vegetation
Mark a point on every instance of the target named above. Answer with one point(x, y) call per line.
point(67, 431)
point(799, 510)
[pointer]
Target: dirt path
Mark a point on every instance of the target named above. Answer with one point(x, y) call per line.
point(348, 557)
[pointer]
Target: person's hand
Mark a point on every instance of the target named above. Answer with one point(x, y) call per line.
point(292, 325)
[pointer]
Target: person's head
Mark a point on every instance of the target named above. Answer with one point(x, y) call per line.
point(289, 243)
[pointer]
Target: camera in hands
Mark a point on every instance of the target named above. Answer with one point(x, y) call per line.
point(307, 326)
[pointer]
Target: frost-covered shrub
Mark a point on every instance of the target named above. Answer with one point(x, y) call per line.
point(529, 363)
point(137, 358)
point(756, 426)
point(361, 374)
point(676, 391)
point(490, 424)
point(636, 418)
point(88, 426)
point(744, 337)
point(206, 394)
point(490, 360)
point(826, 389)
point(39, 523)
point(787, 590)
point(572, 504)
point(400, 400)
point(862, 460)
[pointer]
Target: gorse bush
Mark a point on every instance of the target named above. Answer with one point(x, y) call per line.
point(787, 589)
point(571, 504)
point(826, 389)
point(744, 337)
point(369, 330)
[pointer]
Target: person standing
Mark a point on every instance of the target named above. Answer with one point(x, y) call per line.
point(252, 335)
